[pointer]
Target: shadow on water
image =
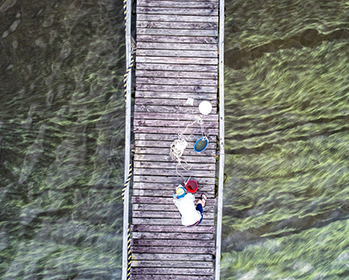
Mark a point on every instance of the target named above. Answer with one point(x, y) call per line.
point(61, 139)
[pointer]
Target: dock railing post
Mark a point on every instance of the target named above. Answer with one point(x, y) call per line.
point(221, 141)
point(127, 139)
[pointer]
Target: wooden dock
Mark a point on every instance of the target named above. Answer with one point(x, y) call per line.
point(176, 59)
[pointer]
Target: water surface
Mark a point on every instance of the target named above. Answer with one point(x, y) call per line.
point(61, 133)
point(62, 137)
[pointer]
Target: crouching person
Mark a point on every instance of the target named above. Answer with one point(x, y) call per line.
point(191, 213)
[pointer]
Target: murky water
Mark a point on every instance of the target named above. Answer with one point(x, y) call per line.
point(287, 144)
point(61, 139)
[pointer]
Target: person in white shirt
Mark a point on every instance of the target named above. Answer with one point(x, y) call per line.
point(191, 214)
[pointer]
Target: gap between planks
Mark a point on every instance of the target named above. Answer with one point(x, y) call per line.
point(176, 67)
point(172, 110)
point(151, 263)
point(170, 277)
point(177, 18)
point(179, 81)
point(177, 32)
point(171, 229)
point(177, 74)
point(177, 25)
point(170, 271)
point(178, 4)
point(192, 61)
point(167, 158)
point(177, 39)
point(170, 11)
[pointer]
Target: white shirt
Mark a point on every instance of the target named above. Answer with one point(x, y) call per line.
point(187, 208)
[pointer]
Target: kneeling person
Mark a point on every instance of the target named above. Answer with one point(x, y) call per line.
point(191, 215)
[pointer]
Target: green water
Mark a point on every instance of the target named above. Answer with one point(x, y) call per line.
point(62, 137)
point(287, 111)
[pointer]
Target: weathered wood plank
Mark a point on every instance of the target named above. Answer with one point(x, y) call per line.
point(173, 257)
point(173, 123)
point(177, 32)
point(173, 109)
point(174, 17)
point(166, 165)
point(170, 179)
point(171, 277)
point(172, 243)
point(168, 137)
point(198, 81)
point(175, 101)
point(210, 151)
point(178, 4)
point(176, 67)
point(168, 192)
point(162, 214)
point(179, 263)
point(166, 145)
point(158, 221)
point(161, 193)
point(177, 39)
point(213, 11)
point(174, 250)
point(159, 141)
point(198, 174)
point(177, 74)
point(162, 200)
point(169, 189)
point(160, 207)
point(165, 188)
point(189, 151)
point(167, 185)
point(184, 271)
point(174, 116)
point(175, 130)
point(169, 95)
point(173, 235)
point(178, 25)
point(167, 158)
point(177, 60)
point(170, 172)
point(176, 46)
point(170, 228)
